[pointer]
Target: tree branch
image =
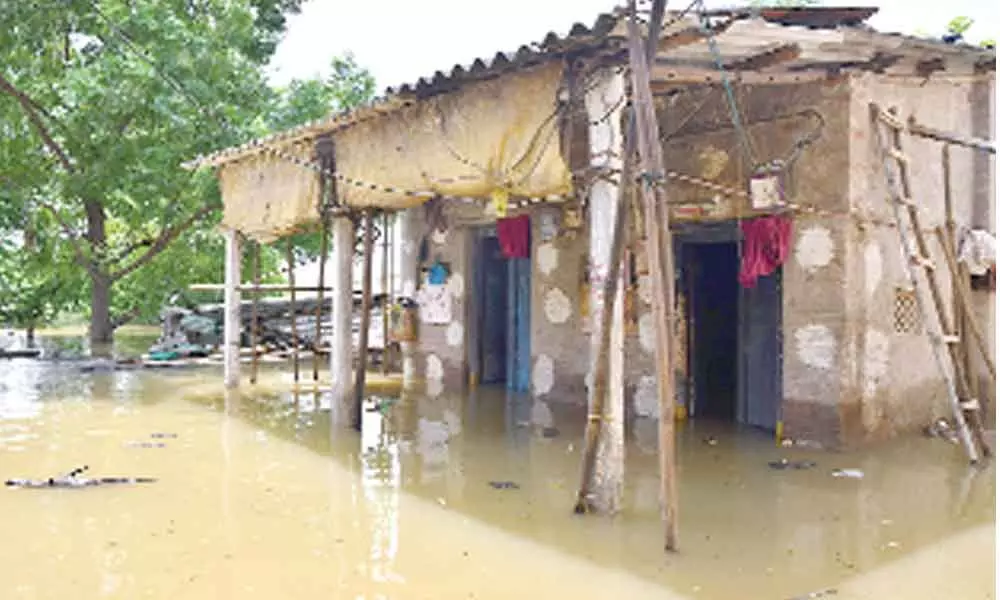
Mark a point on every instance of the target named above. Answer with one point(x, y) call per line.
point(125, 317)
point(167, 236)
point(34, 111)
point(81, 257)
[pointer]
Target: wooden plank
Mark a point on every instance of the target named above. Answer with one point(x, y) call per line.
point(673, 73)
point(661, 269)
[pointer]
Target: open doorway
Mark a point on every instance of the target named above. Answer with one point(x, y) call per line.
point(503, 316)
point(734, 333)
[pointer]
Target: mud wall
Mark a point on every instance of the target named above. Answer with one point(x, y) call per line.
point(891, 380)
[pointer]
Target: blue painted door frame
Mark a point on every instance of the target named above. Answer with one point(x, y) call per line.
point(519, 324)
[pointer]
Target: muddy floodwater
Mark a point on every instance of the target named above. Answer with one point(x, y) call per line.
point(267, 494)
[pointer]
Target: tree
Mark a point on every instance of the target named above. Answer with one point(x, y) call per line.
point(958, 27)
point(100, 102)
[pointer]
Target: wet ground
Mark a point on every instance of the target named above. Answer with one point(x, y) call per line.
point(260, 496)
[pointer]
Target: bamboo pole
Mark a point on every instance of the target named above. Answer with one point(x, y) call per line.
point(318, 335)
point(609, 288)
point(960, 316)
point(950, 138)
point(290, 254)
point(263, 288)
point(254, 316)
point(966, 301)
point(385, 293)
point(366, 310)
point(661, 267)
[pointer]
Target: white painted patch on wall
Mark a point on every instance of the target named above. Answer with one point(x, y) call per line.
point(541, 414)
point(409, 289)
point(439, 236)
point(647, 332)
point(543, 375)
point(434, 387)
point(815, 346)
point(557, 306)
point(646, 289)
point(876, 360)
point(456, 285)
point(646, 400)
point(547, 258)
point(815, 248)
point(873, 268)
point(435, 369)
point(454, 334)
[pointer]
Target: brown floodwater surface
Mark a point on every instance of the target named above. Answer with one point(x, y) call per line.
point(267, 494)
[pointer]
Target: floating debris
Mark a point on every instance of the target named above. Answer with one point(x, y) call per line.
point(710, 440)
point(163, 436)
point(145, 445)
point(784, 463)
point(73, 480)
point(941, 429)
point(849, 473)
point(815, 595)
point(810, 444)
point(504, 485)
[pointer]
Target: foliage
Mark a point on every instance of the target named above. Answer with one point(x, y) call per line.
point(100, 103)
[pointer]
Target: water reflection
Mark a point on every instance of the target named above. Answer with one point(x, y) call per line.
point(259, 475)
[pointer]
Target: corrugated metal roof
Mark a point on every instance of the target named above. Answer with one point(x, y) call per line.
point(824, 36)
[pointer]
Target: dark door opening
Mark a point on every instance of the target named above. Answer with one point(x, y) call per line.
point(503, 317)
point(492, 314)
point(714, 309)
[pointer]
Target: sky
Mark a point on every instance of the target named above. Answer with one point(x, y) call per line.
point(400, 41)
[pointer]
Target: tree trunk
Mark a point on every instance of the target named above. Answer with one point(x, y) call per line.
point(101, 328)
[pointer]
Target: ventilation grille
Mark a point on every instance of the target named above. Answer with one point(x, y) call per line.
point(906, 312)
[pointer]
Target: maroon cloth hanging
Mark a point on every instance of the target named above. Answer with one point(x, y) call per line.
point(514, 235)
point(766, 241)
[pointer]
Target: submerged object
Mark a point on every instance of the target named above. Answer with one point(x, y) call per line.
point(504, 485)
point(784, 463)
point(73, 480)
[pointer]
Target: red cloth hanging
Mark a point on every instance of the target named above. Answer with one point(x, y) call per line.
point(766, 241)
point(514, 235)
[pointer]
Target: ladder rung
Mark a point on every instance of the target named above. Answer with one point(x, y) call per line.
point(898, 155)
point(950, 339)
point(970, 404)
point(890, 120)
point(923, 261)
point(903, 200)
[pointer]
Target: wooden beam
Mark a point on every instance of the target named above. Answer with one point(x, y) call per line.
point(771, 56)
point(880, 62)
point(950, 138)
point(263, 288)
point(665, 75)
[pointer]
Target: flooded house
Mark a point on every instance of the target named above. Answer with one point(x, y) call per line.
point(795, 311)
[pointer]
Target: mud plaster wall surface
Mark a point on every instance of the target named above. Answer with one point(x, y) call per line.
point(441, 354)
point(814, 277)
point(894, 382)
point(560, 350)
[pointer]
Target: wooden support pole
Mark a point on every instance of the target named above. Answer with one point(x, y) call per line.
point(386, 294)
point(366, 316)
point(957, 309)
point(966, 303)
point(232, 325)
point(254, 314)
point(661, 269)
point(290, 256)
point(410, 228)
point(318, 334)
point(342, 314)
point(950, 138)
point(607, 238)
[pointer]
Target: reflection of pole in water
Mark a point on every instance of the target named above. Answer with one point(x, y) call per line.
point(380, 481)
point(964, 490)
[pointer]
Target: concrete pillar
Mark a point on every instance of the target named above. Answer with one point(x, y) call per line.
point(231, 325)
point(341, 310)
point(604, 110)
point(411, 224)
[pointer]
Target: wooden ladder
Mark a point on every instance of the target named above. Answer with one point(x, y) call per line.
point(945, 341)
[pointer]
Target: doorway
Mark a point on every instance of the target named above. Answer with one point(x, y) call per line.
point(734, 333)
point(503, 316)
